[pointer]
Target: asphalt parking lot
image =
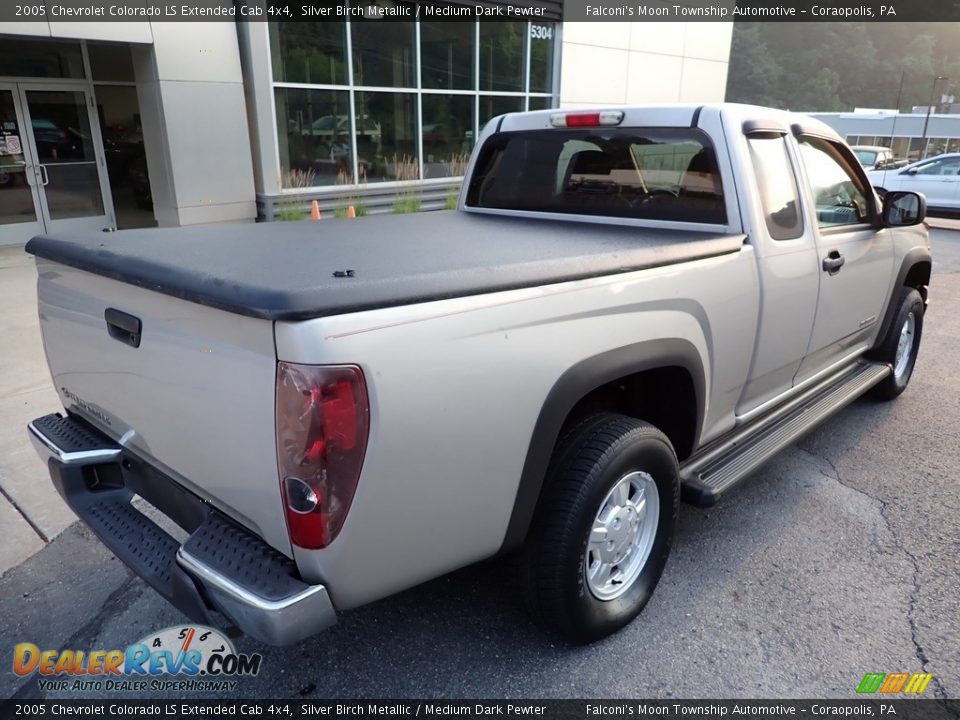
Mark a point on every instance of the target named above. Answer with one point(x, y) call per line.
point(839, 557)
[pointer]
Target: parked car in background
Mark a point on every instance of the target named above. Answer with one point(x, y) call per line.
point(938, 178)
point(876, 157)
point(56, 143)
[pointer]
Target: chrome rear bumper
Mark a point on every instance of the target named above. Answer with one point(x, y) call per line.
point(221, 567)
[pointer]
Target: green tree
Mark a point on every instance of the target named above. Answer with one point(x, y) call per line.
point(758, 74)
point(840, 66)
point(821, 92)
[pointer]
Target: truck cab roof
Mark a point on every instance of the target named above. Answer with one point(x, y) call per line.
point(676, 115)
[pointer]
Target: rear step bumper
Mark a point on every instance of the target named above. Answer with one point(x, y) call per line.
point(221, 566)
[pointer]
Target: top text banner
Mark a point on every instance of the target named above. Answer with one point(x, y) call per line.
point(484, 10)
point(278, 10)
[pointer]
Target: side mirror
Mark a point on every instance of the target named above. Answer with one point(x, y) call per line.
point(911, 171)
point(902, 209)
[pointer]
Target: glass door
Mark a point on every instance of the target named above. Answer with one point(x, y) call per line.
point(68, 166)
point(20, 217)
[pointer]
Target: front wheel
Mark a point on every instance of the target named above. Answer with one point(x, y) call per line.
point(602, 532)
point(900, 345)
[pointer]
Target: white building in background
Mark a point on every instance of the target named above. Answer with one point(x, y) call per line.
point(901, 132)
point(616, 63)
point(117, 125)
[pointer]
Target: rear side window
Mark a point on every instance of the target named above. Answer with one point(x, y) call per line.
point(777, 183)
point(944, 166)
point(655, 173)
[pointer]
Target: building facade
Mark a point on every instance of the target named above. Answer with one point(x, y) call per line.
point(132, 124)
point(909, 135)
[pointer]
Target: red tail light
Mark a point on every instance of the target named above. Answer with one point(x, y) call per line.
point(323, 418)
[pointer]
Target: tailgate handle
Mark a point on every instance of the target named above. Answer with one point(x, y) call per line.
point(123, 326)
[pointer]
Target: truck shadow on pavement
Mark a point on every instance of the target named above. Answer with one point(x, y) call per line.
point(735, 590)
point(733, 574)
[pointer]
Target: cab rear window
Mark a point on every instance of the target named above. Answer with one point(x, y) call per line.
point(652, 173)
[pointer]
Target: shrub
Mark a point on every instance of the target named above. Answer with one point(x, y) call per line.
point(290, 209)
point(405, 169)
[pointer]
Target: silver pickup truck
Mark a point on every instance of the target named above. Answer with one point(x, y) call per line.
point(629, 307)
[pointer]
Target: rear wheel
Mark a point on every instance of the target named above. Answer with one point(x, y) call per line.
point(901, 345)
point(602, 532)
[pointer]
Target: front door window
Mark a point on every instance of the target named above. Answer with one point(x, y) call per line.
point(838, 193)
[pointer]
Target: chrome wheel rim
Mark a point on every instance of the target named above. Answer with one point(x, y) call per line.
point(904, 346)
point(622, 536)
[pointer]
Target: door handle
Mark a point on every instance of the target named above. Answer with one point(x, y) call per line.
point(123, 326)
point(833, 262)
point(43, 171)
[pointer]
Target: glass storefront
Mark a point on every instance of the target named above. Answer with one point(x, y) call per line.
point(314, 135)
point(47, 59)
point(447, 134)
point(369, 101)
point(493, 105)
point(383, 53)
point(446, 55)
point(502, 56)
point(309, 53)
point(386, 128)
point(72, 155)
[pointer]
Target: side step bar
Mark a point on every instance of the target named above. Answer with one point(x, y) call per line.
point(710, 473)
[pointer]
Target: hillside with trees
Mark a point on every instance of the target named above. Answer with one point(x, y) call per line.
point(839, 66)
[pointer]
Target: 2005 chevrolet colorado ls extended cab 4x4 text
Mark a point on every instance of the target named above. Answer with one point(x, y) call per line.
point(630, 306)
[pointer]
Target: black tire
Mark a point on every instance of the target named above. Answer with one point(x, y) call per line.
point(589, 461)
point(909, 301)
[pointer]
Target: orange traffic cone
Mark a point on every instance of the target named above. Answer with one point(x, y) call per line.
point(351, 213)
point(315, 211)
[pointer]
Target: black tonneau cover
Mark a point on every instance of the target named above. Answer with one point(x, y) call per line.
point(289, 271)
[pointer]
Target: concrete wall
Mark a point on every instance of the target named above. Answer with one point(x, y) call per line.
point(138, 32)
point(190, 89)
point(625, 63)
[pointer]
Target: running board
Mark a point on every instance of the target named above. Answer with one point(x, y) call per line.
point(720, 466)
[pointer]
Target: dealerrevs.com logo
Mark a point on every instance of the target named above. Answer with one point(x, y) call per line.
point(181, 658)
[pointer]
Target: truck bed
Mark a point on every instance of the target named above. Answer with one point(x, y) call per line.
point(287, 271)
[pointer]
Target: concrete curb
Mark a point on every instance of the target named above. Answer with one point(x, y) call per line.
point(939, 223)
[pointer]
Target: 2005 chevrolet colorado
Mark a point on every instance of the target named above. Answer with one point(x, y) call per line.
point(629, 307)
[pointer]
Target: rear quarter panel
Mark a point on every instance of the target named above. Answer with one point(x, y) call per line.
point(456, 388)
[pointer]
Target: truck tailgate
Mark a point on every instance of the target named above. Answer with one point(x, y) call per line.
point(195, 398)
